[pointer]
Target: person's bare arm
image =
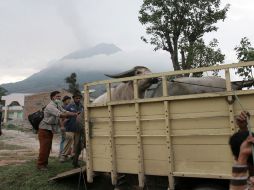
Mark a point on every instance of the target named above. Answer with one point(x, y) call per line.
point(67, 114)
point(240, 169)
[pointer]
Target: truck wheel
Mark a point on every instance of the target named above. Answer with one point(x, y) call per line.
point(209, 187)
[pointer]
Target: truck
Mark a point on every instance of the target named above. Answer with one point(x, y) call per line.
point(168, 142)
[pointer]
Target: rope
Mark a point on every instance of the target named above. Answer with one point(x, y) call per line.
point(197, 84)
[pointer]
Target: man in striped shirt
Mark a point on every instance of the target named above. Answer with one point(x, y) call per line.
point(241, 145)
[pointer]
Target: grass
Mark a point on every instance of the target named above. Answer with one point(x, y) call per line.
point(27, 177)
point(4, 146)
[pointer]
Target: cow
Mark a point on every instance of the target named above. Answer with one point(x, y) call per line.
point(125, 90)
point(192, 85)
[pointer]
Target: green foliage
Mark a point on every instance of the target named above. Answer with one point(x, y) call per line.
point(204, 56)
point(72, 82)
point(2, 92)
point(178, 26)
point(245, 53)
point(26, 176)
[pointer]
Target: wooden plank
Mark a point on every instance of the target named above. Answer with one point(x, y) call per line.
point(125, 151)
point(200, 132)
point(201, 175)
point(246, 101)
point(127, 166)
point(200, 123)
point(68, 173)
point(202, 153)
point(195, 115)
point(140, 157)
point(141, 174)
point(152, 125)
point(126, 140)
point(170, 155)
point(201, 140)
point(89, 160)
point(100, 112)
point(112, 147)
point(102, 164)
point(156, 152)
point(111, 138)
point(201, 105)
point(204, 168)
point(164, 86)
point(124, 111)
point(230, 103)
point(101, 151)
point(157, 140)
point(156, 167)
point(158, 109)
point(172, 73)
point(100, 141)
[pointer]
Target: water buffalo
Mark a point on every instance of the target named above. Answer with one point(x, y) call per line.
point(125, 91)
point(192, 85)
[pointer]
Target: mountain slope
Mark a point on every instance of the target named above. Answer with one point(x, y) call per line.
point(52, 77)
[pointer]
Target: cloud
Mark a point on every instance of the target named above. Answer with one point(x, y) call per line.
point(33, 33)
point(156, 61)
point(71, 14)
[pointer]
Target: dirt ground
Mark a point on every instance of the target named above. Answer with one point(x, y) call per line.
point(18, 147)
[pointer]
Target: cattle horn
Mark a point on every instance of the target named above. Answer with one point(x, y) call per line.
point(128, 73)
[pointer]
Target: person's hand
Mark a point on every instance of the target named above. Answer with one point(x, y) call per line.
point(72, 114)
point(241, 120)
point(62, 129)
point(245, 150)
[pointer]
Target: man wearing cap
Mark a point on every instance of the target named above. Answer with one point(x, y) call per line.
point(72, 128)
point(66, 101)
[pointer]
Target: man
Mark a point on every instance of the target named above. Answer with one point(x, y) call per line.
point(48, 126)
point(73, 129)
point(241, 144)
point(66, 101)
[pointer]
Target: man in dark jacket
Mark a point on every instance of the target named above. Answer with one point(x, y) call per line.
point(73, 129)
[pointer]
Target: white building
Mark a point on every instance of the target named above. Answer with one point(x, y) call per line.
point(13, 108)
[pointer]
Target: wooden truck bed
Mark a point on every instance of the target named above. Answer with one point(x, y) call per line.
point(184, 136)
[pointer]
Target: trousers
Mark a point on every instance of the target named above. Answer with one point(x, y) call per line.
point(45, 140)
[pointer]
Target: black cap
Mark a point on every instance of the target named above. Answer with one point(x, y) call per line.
point(77, 95)
point(66, 98)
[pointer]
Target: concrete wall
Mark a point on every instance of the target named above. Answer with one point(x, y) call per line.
point(35, 102)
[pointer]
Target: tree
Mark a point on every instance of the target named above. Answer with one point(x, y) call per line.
point(2, 92)
point(245, 52)
point(206, 55)
point(72, 82)
point(177, 26)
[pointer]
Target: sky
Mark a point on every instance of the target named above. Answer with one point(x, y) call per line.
point(34, 34)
